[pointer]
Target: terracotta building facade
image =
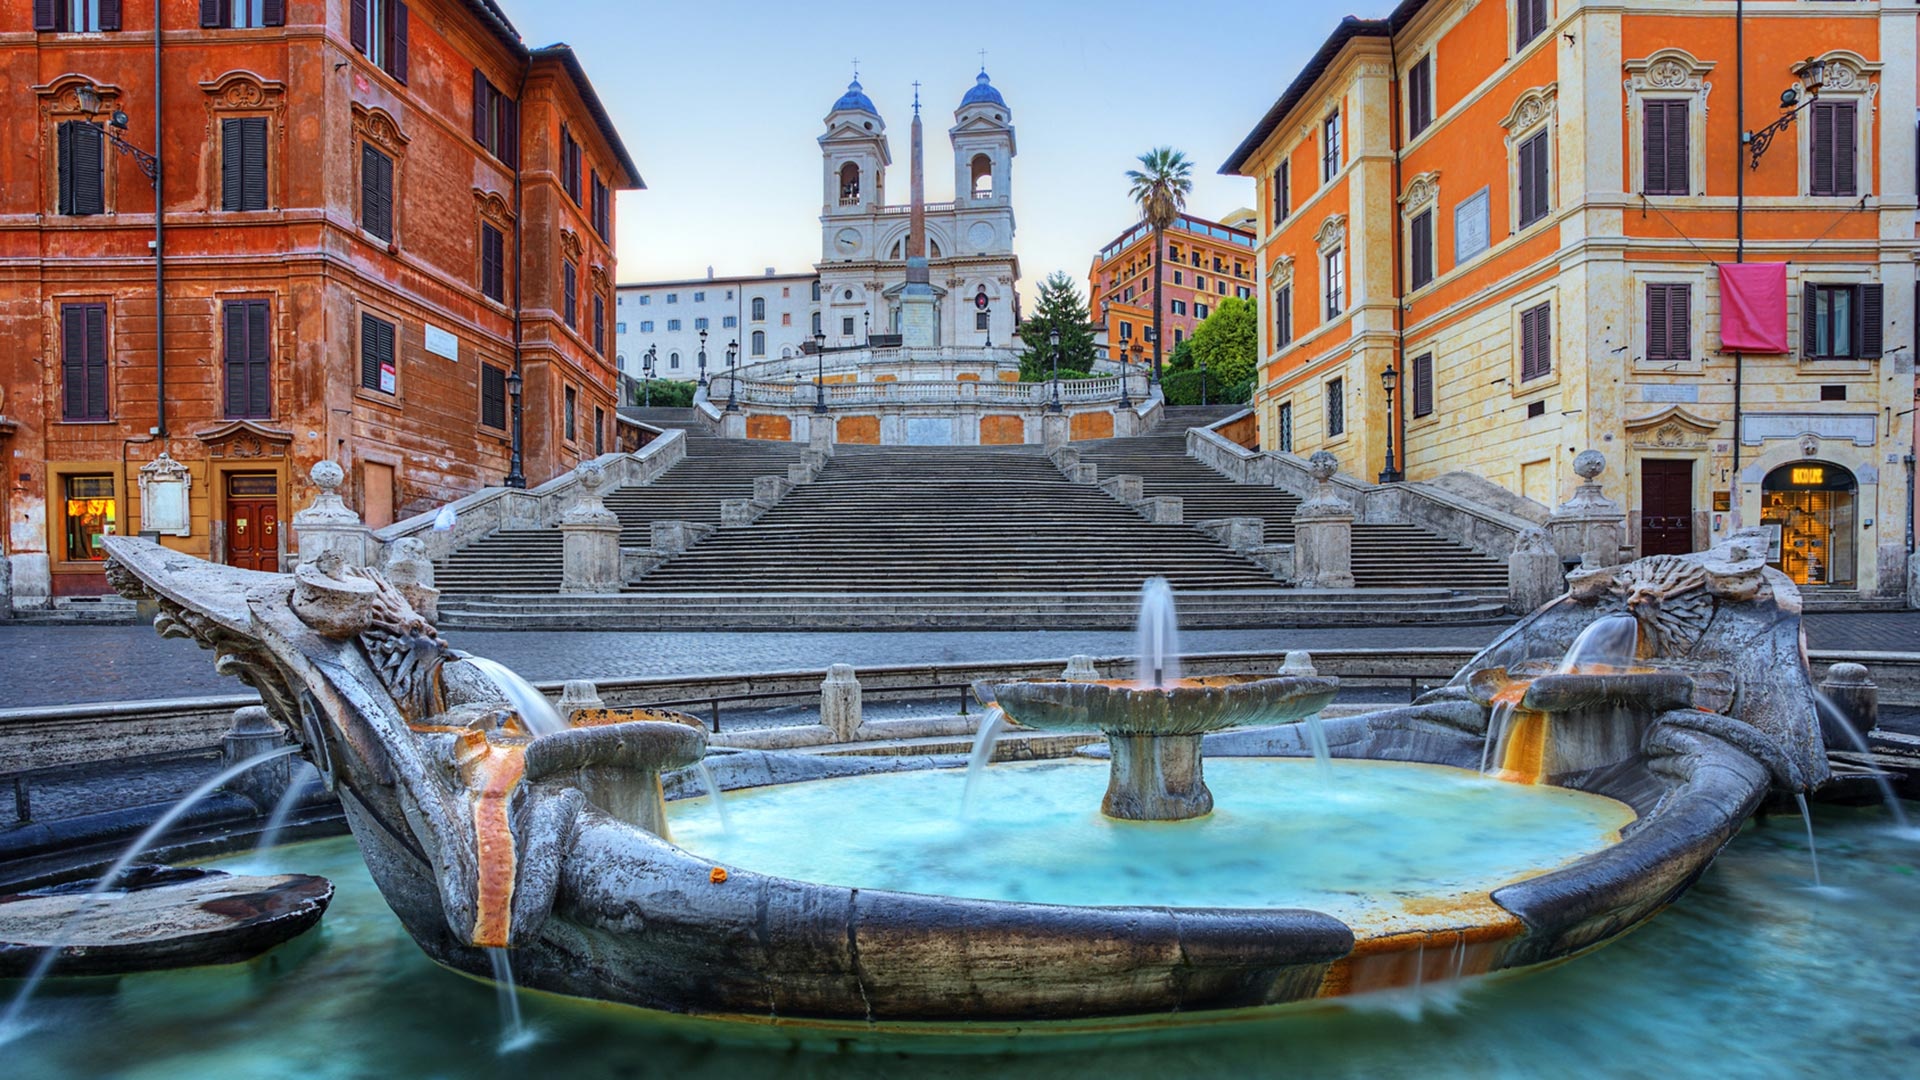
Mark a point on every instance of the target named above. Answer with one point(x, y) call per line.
point(1206, 262)
point(381, 220)
point(1523, 208)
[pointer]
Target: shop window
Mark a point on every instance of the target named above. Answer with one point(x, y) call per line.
point(1807, 510)
point(90, 517)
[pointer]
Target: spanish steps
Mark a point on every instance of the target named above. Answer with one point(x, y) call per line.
point(980, 537)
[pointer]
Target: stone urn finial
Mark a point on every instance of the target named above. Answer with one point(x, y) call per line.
point(591, 476)
point(1324, 502)
point(1588, 464)
point(327, 508)
point(1322, 465)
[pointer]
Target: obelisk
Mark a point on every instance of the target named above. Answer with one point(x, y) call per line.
point(918, 328)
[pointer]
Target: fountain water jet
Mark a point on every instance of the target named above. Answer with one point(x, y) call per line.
point(1156, 636)
point(1813, 853)
point(515, 1035)
point(535, 711)
point(713, 794)
point(991, 725)
point(1832, 720)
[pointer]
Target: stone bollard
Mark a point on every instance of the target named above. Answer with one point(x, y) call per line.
point(1066, 459)
point(1855, 699)
point(1323, 531)
point(412, 573)
point(590, 539)
point(840, 702)
point(1298, 662)
point(1080, 669)
point(1055, 430)
point(1126, 487)
point(254, 732)
point(329, 524)
point(670, 537)
point(1243, 534)
point(1913, 580)
point(1534, 572)
point(769, 490)
point(1086, 473)
point(733, 425)
point(820, 440)
point(1166, 510)
point(578, 694)
point(798, 474)
point(1588, 527)
point(737, 512)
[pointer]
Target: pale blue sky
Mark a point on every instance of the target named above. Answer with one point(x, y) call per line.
point(720, 102)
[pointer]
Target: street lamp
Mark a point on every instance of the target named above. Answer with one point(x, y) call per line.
point(866, 328)
point(733, 382)
point(646, 372)
point(1812, 73)
point(1126, 377)
point(516, 476)
point(703, 358)
point(1053, 340)
point(88, 96)
point(819, 373)
point(1389, 379)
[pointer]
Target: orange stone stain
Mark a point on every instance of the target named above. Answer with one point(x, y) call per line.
point(1526, 751)
point(1419, 957)
point(858, 430)
point(492, 777)
point(1090, 426)
point(772, 428)
point(999, 429)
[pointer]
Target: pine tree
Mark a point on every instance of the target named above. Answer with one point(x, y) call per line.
point(1059, 307)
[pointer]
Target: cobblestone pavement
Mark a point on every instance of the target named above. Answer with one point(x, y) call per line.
point(57, 665)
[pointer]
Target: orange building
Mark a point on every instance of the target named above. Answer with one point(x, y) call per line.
point(1519, 208)
point(1206, 260)
point(376, 214)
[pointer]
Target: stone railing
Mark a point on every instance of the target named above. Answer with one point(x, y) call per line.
point(942, 392)
point(947, 362)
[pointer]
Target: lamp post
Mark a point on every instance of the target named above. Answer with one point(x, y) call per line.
point(646, 373)
point(1126, 378)
point(1389, 379)
point(703, 358)
point(1053, 342)
point(89, 99)
point(516, 475)
point(819, 373)
point(733, 381)
point(866, 328)
point(1812, 72)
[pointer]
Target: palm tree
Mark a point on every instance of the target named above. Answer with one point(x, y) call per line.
point(1160, 187)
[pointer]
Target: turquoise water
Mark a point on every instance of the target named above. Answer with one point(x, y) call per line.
point(1751, 974)
point(1282, 835)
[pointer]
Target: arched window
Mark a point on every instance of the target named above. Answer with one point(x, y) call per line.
point(759, 343)
point(849, 184)
point(673, 361)
point(982, 176)
point(816, 324)
point(759, 309)
point(816, 290)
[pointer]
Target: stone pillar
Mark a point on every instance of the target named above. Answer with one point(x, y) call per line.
point(1166, 510)
point(591, 541)
point(1065, 458)
point(1243, 534)
point(329, 525)
point(737, 512)
point(1080, 669)
point(1298, 662)
point(1323, 531)
point(410, 571)
point(798, 474)
point(840, 702)
point(578, 694)
point(254, 732)
point(820, 439)
point(1086, 473)
point(1535, 574)
point(1125, 486)
point(1588, 527)
point(733, 425)
point(1855, 700)
point(814, 460)
point(769, 490)
point(1055, 430)
point(670, 537)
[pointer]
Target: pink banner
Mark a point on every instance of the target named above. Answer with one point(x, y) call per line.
point(1753, 307)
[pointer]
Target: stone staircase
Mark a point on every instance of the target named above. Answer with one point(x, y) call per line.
point(662, 417)
point(529, 560)
point(1384, 556)
point(1178, 418)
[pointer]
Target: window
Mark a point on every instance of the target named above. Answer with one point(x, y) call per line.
point(619, 328)
point(599, 323)
point(378, 370)
point(700, 323)
point(247, 333)
point(786, 292)
point(1533, 179)
point(1220, 287)
point(1333, 267)
point(83, 186)
point(1423, 385)
point(1179, 307)
point(1176, 277)
point(1835, 165)
point(816, 291)
point(846, 326)
point(602, 207)
point(645, 300)
point(1536, 342)
point(700, 297)
point(493, 263)
point(673, 298)
point(77, 16)
point(1330, 146)
point(1199, 311)
point(1420, 248)
point(729, 321)
point(90, 517)
point(1420, 96)
point(243, 163)
point(496, 121)
point(673, 361)
point(569, 293)
point(1282, 192)
point(1283, 316)
point(1842, 322)
point(83, 361)
point(599, 430)
point(1663, 133)
point(1529, 20)
point(646, 326)
point(816, 324)
point(376, 192)
point(1126, 331)
point(493, 397)
point(1283, 439)
point(1199, 281)
point(1243, 292)
point(1669, 323)
point(378, 29)
point(673, 324)
point(1336, 407)
point(759, 343)
point(571, 405)
point(570, 169)
point(1177, 335)
point(786, 319)
point(759, 309)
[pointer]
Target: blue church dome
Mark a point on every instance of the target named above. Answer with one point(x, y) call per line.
point(857, 100)
point(983, 93)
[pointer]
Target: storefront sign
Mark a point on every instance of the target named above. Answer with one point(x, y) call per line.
point(1810, 475)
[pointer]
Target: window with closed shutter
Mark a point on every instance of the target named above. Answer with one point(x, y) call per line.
point(1336, 407)
point(602, 207)
point(496, 120)
point(1282, 194)
point(1536, 342)
point(1420, 248)
point(1423, 385)
point(1420, 96)
point(242, 14)
point(1530, 20)
point(376, 192)
point(379, 31)
point(569, 293)
point(1534, 175)
point(493, 264)
point(83, 362)
point(569, 163)
point(243, 163)
point(1664, 132)
point(82, 168)
point(570, 429)
point(599, 324)
point(493, 397)
point(246, 333)
point(1832, 142)
point(379, 364)
point(599, 430)
point(1669, 323)
point(1283, 316)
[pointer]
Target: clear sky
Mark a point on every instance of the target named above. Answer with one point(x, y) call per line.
point(720, 102)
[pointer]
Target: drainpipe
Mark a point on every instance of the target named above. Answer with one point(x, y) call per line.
point(1396, 411)
point(516, 465)
point(1739, 235)
point(159, 239)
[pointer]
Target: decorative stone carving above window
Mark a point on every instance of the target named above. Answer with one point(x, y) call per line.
point(1672, 428)
point(1332, 232)
point(243, 91)
point(1669, 69)
point(1847, 73)
point(1422, 191)
point(376, 126)
point(1281, 272)
point(61, 97)
point(494, 209)
point(570, 245)
point(1533, 108)
point(597, 275)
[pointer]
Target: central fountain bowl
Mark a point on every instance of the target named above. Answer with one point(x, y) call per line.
point(1154, 731)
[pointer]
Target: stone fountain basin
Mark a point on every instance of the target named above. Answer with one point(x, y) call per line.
point(1193, 706)
point(1655, 691)
point(644, 740)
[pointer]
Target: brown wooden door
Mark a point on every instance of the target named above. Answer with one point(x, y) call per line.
point(1666, 507)
point(253, 534)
